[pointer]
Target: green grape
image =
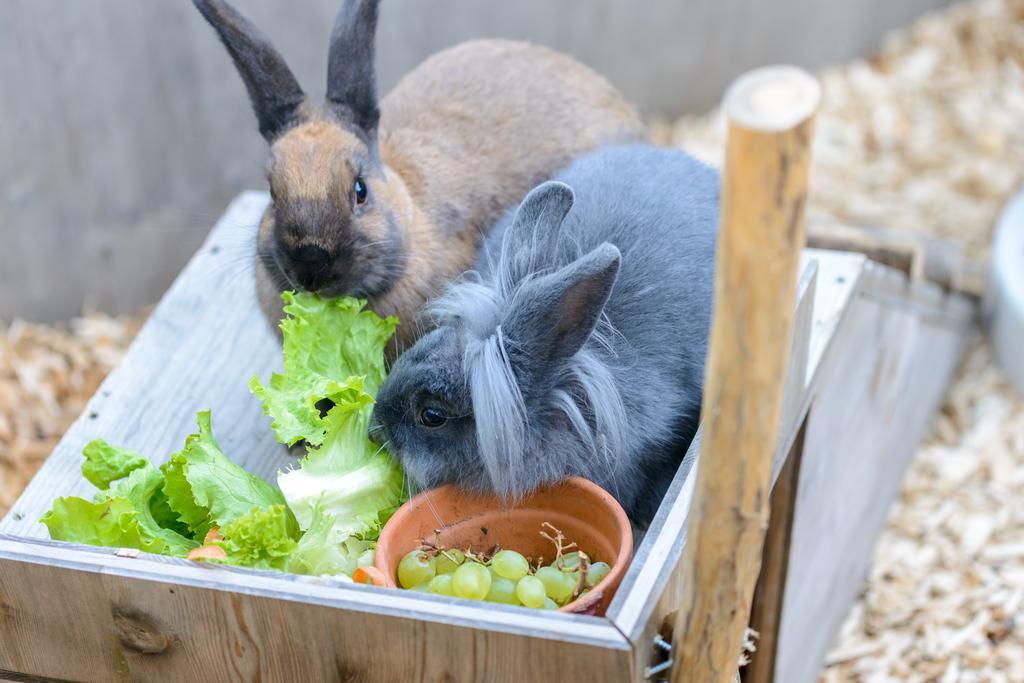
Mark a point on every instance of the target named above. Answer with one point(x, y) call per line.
point(597, 572)
point(569, 561)
point(441, 584)
point(510, 565)
point(471, 580)
point(549, 603)
point(557, 585)
point(502, 590)
point(449, 560)
point(530, 591)
point(571, 583)
point(422, 588)
point(416, 568)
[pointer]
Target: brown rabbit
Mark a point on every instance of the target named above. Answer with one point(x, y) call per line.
point(390, 203)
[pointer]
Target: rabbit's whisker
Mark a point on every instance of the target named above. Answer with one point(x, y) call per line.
point(282, 272)
point(433, 510)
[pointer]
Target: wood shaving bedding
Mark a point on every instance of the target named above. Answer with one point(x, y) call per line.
point(47, 373)
point(927, 135)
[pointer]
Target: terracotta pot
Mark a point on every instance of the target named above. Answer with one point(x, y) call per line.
point(582, 510)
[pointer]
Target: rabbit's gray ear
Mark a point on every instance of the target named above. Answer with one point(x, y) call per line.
point(351, 83)
point(531, 238)
point(552, 316)
point(273, 90)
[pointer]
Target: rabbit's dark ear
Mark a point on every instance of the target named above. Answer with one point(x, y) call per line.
point(553, 316)
point(351, 83)
point(273, 90)
point(531, 238)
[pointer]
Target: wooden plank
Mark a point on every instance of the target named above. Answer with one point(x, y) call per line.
point(800, 345)
point(842, 279)
point(655, 570)
point(919, 256)
point(657, 558)
point(649, 592)
point(148, 404)
point(129, 620)
point(882, 382)
point(764, 189)
point(321, 590)
point(794, 388)
point(838, 278)
point(769, 595)
point(198, 350)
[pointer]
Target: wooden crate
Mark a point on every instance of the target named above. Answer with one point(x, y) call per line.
point(873, 351)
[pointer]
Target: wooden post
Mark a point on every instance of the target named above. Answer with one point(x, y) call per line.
point(770, 114)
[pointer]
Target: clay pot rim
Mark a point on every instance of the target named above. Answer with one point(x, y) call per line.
point(381, 577)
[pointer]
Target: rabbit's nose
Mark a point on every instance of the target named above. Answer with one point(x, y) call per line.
point(312, 266)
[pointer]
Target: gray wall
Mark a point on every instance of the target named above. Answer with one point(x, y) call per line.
point(125, 129)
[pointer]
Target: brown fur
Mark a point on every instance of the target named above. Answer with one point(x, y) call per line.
point(462, 138)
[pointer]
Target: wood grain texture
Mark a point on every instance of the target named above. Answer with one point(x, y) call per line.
point(890, 370)
point(764, 191)
point(656, 569)
point(919, 256)
point(794, 389)
point(123, 637)
point(838, 280)
point(846, 286)
point(131, 620)
point(159, 618)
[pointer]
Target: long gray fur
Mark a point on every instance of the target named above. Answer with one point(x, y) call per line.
point(578, 344)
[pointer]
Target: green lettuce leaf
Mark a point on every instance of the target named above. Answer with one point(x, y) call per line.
point(205, 489)
point(318, 555)
point(262, 538)
point(162, 513)
point(341, 494)
point(105, 463)
point(120, 517)
point(333, 367)
point(348, 476)
point(326, 342)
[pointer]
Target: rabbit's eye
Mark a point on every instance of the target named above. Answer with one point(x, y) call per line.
point(431, 417)
point(359, 189)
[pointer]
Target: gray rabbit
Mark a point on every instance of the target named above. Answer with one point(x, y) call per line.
point(577, 347)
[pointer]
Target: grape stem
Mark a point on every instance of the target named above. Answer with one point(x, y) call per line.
point(435, 548)
point(560, 549)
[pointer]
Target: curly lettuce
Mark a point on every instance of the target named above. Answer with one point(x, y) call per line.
point(127, 513)
point(323, 517)
point(206, 489)
point(165, 510)
point(333, 367)
point(327, 342)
